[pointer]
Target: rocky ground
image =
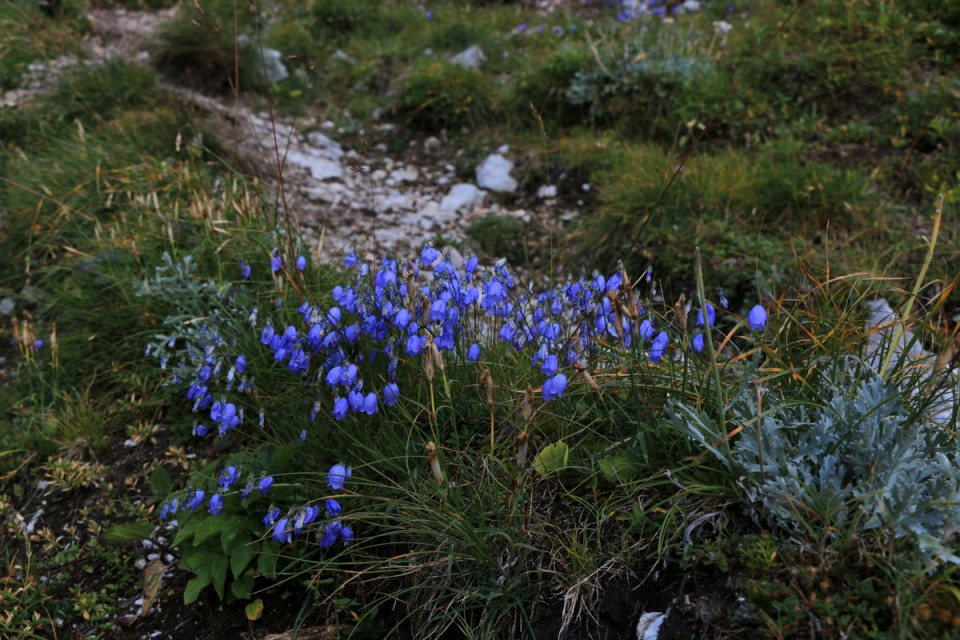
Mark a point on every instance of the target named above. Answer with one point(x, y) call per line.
point(343, 188)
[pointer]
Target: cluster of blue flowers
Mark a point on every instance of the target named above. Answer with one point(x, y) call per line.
point(756, 320)
point(397, 314)
point(285, 528)
point(193, 498)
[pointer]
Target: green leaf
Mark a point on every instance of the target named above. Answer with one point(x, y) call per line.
point(552, 457)
point(254, 610)
point(197, 561)
point(267, 564)
point(617, 468)
point(212, 526)
point(241, 557)
point(160, 482)
point(218, 574)
point(187, 529)
point(242, 588)
point(345, 602)
point(194, 587)
point(229, 537)
point(128, 532)
point(283, 455)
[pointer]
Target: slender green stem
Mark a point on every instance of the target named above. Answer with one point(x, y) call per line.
point(711, 352)
point(898, 329)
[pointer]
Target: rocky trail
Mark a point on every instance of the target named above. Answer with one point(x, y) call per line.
point(343, 188)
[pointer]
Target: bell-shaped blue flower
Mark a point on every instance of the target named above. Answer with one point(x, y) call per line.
point(337, 476)
point(659, 346)
point(473, 353)
point(196, 499)
point(228, 477)
point(757, 318)
point(216, 504)
point(264, 484)
point(697, 343)
point(554, 387)
point(391, 394)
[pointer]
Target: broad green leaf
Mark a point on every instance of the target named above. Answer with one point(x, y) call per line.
point(187, 528)
point(128, 532)
point(552, 457)
point(617, 468)
point(194, 587)
point(282, 456)
point(198, 562)
point(242, 588)
point(160, 482)
point(267, 564)
point(241, 557)
point(227, 537)
point(218, 574)
point(212, 526)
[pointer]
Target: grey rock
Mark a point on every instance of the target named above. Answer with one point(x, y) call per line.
point(320, 194)
point(432, 144)
point(342, 56)
point(7, 306)
point(276, 70)
point(454, 257)
point(463, 196)
point(395, 201)
point(648, 627)
point(320, 168)
point(547, 191)
point(470, 58)
point(493, 174)
point(406, 174)
point(330, 148)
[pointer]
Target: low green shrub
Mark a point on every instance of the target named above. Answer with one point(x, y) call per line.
point(212, 46)
point(438, 94)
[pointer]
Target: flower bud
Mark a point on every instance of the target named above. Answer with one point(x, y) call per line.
point(435, 470)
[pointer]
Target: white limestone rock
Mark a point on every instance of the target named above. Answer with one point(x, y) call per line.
point(470, 58)
point(463, 196)
point(493, 174)
point(319, 168)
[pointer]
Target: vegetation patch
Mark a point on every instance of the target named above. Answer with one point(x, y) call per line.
point(697, 409)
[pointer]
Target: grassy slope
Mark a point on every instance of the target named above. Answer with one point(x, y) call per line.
point(90, 208)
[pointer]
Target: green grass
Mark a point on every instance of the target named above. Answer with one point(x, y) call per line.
point(823, 164)
point(29, 36)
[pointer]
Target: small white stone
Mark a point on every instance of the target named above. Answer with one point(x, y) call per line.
point(273, 62)
point(723, 27)
point(320, 168)
point(648, 628)
point(406, 174)
point(470, 58)
point(547, 191)
point(493, 174)
point(461, 196)
point(331, 149)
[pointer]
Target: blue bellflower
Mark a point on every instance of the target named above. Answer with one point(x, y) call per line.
point(757, 318)
point(554, 387)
